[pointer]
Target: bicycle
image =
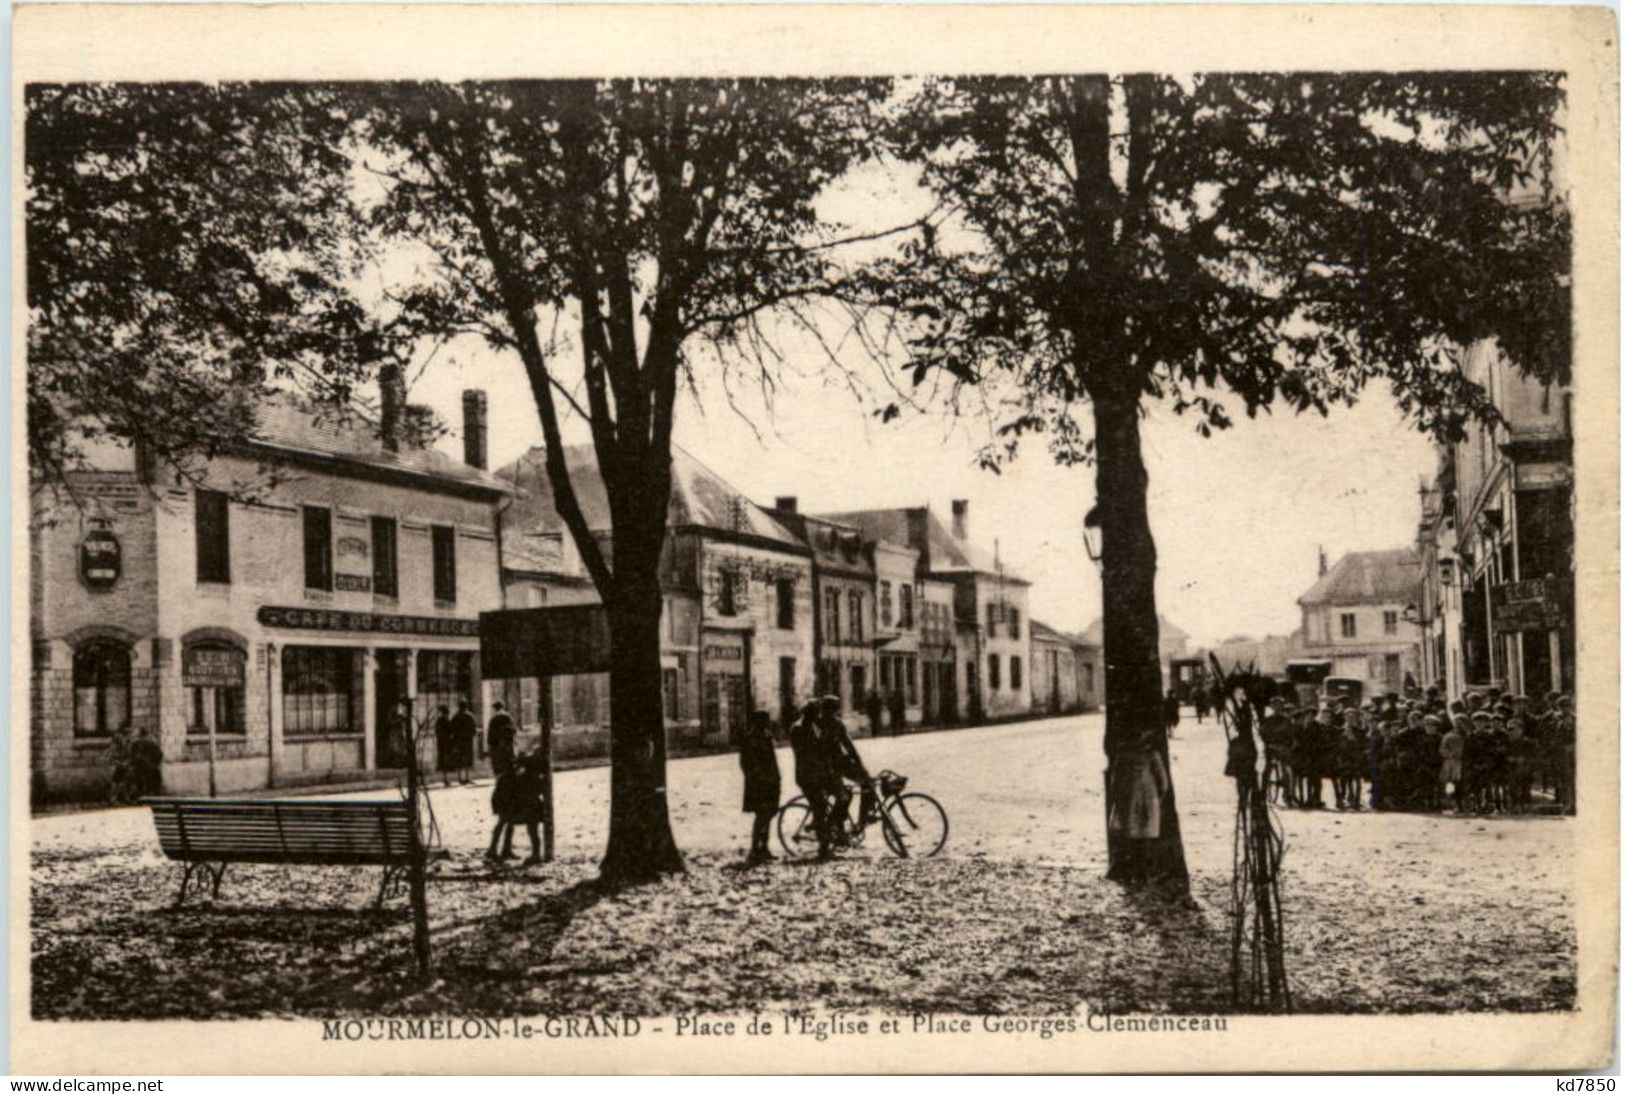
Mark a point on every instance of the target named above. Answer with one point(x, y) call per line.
point(913, 824)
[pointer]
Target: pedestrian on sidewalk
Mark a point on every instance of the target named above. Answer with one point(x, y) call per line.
point(760, 767)
point(444, 751)
point(464, 730)
point(499, 738)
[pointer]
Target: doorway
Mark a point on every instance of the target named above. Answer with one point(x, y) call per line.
point(389, 689)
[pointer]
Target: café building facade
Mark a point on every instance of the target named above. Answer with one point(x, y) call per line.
point(260, 614)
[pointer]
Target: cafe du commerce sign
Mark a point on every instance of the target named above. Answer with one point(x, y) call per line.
point(323, 619)
point(101, 559)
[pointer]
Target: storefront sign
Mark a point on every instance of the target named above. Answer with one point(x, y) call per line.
point(1534, 605)
point(212, 667)
point(352, 583)
point(523, 642)
point(100, 559)
point(323, 619)
point(724, 653)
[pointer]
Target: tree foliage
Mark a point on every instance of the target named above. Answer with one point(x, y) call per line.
point(186, 251)
point(1254, 240)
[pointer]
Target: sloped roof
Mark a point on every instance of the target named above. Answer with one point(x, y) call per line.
point(1368, 577)
point(1095, 633)
point(835, 546)
point(289, 425)
point(944, 552)
point(700, 498)
point(1043, 632)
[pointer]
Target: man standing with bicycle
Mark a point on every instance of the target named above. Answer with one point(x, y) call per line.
point(814, 775)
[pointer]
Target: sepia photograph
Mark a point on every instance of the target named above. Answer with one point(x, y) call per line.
point(588, 559)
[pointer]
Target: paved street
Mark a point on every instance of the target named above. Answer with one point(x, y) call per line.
point(1385, 912)
point(1027, 790)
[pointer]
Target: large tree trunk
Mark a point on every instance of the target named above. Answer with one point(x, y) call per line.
point(641, 847)
point(1142, 836)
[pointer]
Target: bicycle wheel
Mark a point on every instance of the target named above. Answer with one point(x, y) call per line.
point(915, 825)
point(797, 833)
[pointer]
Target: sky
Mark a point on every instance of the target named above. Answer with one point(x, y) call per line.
point(1239, 517)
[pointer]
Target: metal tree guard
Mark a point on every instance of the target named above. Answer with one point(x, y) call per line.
point(1257, 928)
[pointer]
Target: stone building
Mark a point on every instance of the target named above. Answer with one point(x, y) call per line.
point(1496, 542)
point(991, 639)
point(1360, 615)
point(261, 612)
point(1054, 671)
point(737, 615)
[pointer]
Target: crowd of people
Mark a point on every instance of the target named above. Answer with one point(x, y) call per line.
point(1485, 753)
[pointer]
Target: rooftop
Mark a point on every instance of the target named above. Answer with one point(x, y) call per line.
point(700, 498)
point(941, 550)
point(1368, 577)
point(291, 427)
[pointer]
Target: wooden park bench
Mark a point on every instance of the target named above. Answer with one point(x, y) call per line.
point(207, 834)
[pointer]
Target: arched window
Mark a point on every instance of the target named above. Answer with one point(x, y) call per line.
point(101, 688)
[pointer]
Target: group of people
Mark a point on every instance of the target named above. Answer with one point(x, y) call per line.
point(137, 766)
point(1484, 753)
point(454, 743)
point(825, 759)
point(521, 785)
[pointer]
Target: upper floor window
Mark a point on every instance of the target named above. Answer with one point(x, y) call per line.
point(213, 525)
point(786, 590)
point(854, 607)
point(885, 603)
point(1390, 622)
point(1015, 632)
point(318, 547)
point(101, 688)
point(727, 591)
point(1345, 622)
point(445, 562)
point(832, 615)
point(905, 607)
point(992, 616)
point(385, 566)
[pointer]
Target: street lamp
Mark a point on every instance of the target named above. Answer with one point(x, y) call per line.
point(1091, 534)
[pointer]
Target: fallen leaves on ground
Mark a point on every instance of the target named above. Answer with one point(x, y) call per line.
point(968, 934)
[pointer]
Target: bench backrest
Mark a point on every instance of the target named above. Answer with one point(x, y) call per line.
point(372, 833)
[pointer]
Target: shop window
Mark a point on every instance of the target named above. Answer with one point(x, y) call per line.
point(101, 688)
point(445, 562)
point(320, 692)
point(318, 548)
point(385, 567)
point(444, 678)
point(213, 527)
point(911, 678)
point(214, 676)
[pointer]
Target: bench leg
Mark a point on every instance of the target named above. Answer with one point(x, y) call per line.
point(186, 879)
point(219, 872)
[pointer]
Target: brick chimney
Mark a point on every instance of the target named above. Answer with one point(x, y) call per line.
point(1323, 566)
point(474, 428)
point(391, 401)
point(785, 503)
point(961, 517)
